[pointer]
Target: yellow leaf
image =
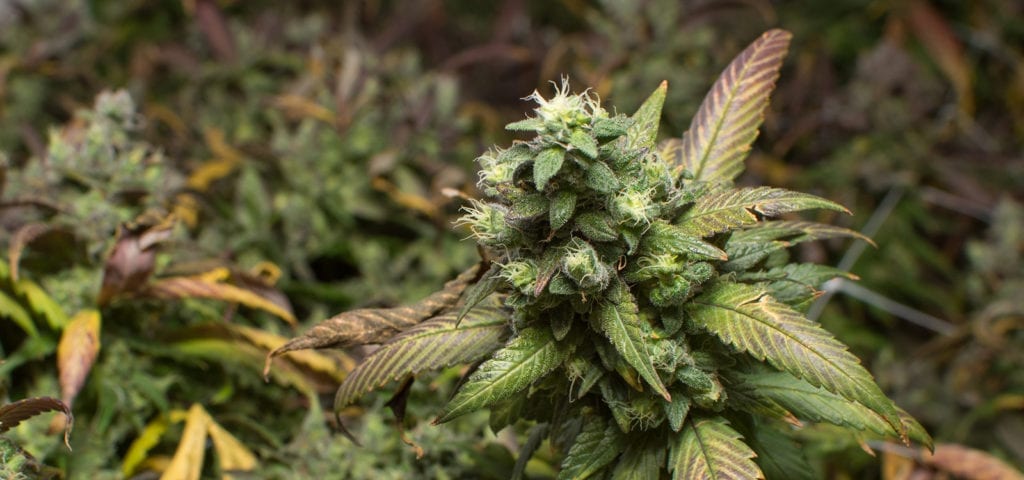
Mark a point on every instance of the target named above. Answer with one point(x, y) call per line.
point(225, 159)
point(187, 463)
point(76, 352)
point(231, 454)
point(211, 285)
point(139, 448)
point(302, 107)
point(336, 367)
point(42, 303)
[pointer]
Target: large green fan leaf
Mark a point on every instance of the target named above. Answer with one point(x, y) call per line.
point(744, 317)
point(708, 448)
point(596, 446)
point(726, 124)
point(728, 209)
point(816, 404)
point(376, 325)
point(644, 132)
point(621, 324)
point(433, 344)
point(526, 358)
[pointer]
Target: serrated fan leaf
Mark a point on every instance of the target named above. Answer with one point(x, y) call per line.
point(793, 232)
point(621, 324)
point(376, 325)
point(526, 358)
point(477, 292)
point(644, 131)
point(430, 345)
point(726, 124)
point(597, 444)
point(779, 457)
point(795, 283)
point(708, 448)
point(748, 246)
point(728, 209)
point(747, 319)
point(816, 404)
point(14, 413)
point(665, 238)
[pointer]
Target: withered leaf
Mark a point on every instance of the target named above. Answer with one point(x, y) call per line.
point(969, 463)
point(79, 345)
point(13, 414)
point(376, 325)
point(21, 238)
point(211, 286)
point(131, 261)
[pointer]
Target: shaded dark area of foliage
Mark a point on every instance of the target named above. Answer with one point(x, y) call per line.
point(187, 184)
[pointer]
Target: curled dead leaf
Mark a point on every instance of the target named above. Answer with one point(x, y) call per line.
point(376, 325)
point(20, 240)
point(133, 256)
point(13, 414)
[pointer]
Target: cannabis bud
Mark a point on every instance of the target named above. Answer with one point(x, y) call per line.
point(642, 310)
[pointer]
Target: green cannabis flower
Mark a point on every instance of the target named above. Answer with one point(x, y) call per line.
point(653, 320)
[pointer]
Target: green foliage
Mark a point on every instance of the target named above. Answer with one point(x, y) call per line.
point(620, 278)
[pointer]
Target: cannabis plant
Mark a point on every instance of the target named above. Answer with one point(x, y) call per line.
point(640, 309)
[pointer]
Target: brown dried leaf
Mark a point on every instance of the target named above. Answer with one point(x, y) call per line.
point(213, 285)
point(131, 261)
point(79, 345)
point(970, 464)
point(14, 413)
point(20, 240)
point(376, 325)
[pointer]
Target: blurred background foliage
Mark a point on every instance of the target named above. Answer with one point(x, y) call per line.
point(185, 183)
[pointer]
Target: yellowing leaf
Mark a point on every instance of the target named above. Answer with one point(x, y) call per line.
point(376, 325)
point(302, 107)
point(336, 366)
point(211, 285)
point(141, 446)
point(726, 124)
point(225, 159)
point(232, 455)
point(76, 352)
point(710, 448)
point(187, 463)
point(42, 303)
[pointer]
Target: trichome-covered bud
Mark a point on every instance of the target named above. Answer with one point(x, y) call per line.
point(489, 224)
point(634, 207)
point(521, 274)
point(582, 264)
